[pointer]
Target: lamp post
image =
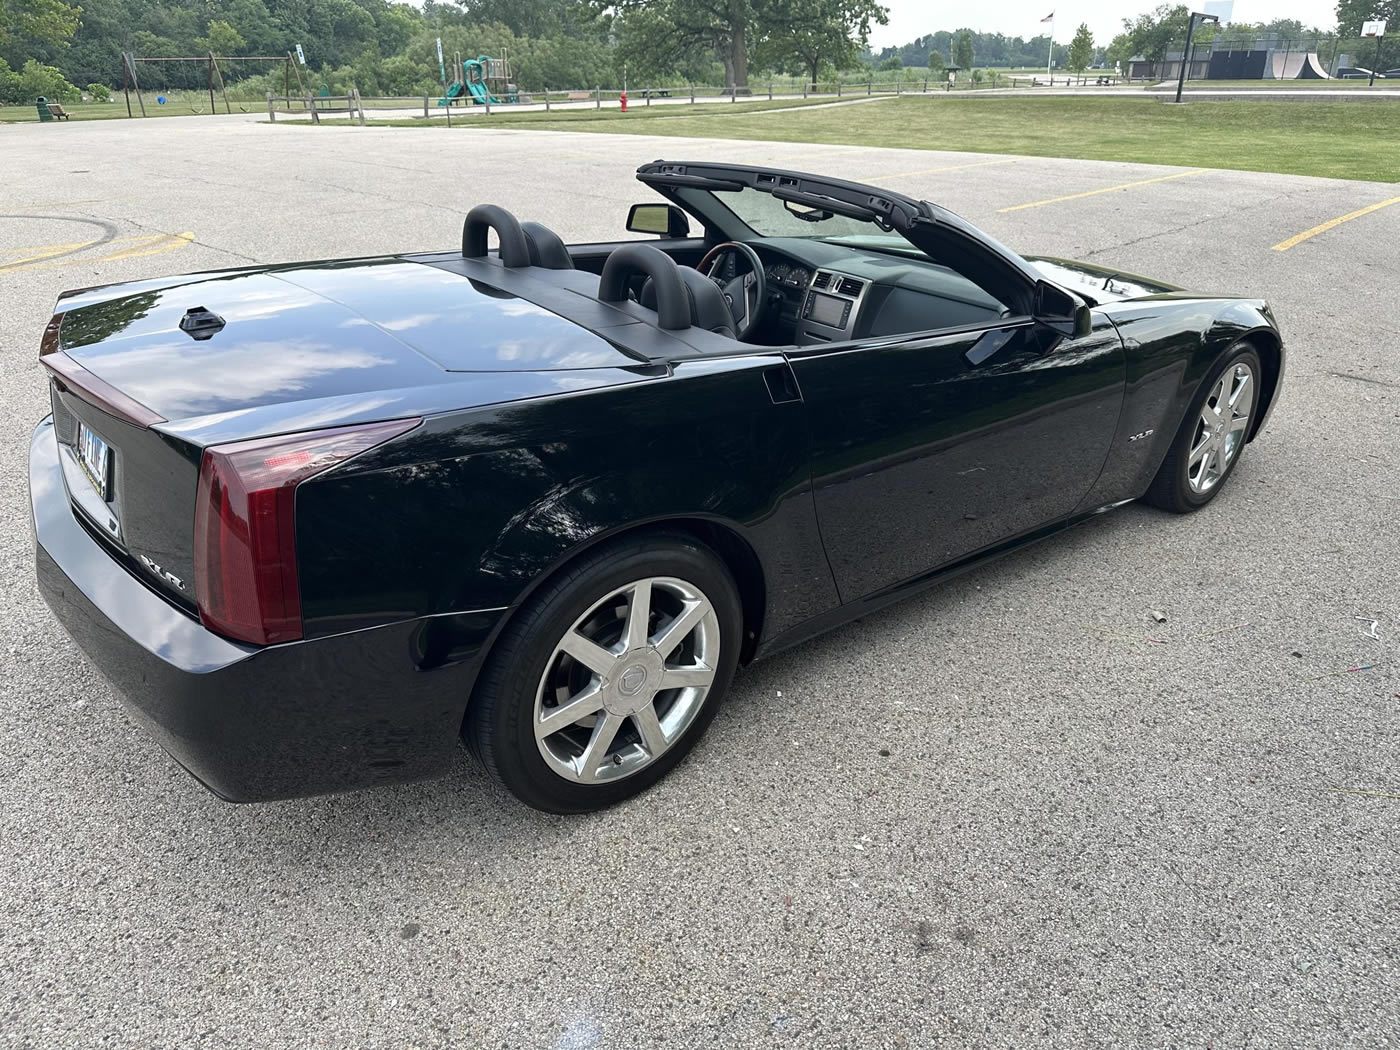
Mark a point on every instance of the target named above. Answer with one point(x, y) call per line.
point(1186, 51)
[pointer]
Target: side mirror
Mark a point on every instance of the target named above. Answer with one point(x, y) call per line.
point(1059, 311)
point(665, 220)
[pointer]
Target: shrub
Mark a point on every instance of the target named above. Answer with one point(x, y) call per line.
point(99, 92)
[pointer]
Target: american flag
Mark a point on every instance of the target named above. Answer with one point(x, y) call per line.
point(1049, 18)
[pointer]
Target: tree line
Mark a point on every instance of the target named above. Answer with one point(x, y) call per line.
point(1152, 35)
point(387, 48)
point(50, 47)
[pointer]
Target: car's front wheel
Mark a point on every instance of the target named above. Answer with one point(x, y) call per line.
point(1211, 439)
point(610, 673)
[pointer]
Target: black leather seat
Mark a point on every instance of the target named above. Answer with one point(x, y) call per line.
point(546, 247)
point(708, 310)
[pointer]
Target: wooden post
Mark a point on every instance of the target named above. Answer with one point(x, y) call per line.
point(488, 102)
point(211, 84)
point(770, 91)
point(222, 89)
point(131, 62)
point(311, 107)
point(804, 87)
point(425, 105)
point(597, 98)
point(838, 86)
point(359, 106)
point(271, 113)
point(546, 100)
point(126, 90)
point(301, 88)
point(692, 93)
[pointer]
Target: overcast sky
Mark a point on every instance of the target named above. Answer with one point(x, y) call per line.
point(910, 19)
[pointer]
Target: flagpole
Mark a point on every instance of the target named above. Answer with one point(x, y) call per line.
point(1050, 51)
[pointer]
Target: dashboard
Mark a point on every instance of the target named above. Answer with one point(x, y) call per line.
point(820, 291)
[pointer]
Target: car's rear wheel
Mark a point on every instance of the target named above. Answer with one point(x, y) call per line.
point(1211, 439)
point(608, 676)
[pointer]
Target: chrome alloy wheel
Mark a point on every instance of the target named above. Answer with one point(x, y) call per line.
point(626, 680)
point(1221, 429)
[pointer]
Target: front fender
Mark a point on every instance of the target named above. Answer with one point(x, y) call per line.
point(1171, 344)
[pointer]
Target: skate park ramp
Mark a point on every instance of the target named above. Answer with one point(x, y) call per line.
point(1296, 65)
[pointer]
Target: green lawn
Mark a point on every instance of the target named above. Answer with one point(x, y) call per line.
point(1347, 140)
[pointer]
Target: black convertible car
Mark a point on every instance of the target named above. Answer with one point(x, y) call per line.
point(319, 522)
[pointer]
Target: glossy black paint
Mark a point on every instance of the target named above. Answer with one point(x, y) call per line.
point(254, 724)
point(948, 455)
point(832, 478)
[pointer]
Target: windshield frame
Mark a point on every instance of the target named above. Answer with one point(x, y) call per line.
point(936, 233)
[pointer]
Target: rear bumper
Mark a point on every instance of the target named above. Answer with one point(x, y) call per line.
point(330, 714)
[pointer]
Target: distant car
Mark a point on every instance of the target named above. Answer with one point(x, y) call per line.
point(319, 521)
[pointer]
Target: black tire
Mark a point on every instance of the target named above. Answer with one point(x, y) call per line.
point(499, 726)
point(1171, 489)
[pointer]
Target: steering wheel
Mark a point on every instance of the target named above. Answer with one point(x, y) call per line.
point(747, 293)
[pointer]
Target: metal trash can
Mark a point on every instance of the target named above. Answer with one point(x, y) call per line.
point(42, 105)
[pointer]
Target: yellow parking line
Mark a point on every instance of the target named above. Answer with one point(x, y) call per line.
point(154, 246)
point(42, 253)
point(1108, 189)
point(935, 171)
point(1283, 246)
point(146, 244)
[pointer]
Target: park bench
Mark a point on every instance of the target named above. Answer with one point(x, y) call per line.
point(56, 108)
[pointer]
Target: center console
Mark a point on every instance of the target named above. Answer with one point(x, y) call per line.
point(830, 308)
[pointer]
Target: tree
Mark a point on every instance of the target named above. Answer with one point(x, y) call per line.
point(30, 28)
point(815, 33)
point(936, 63)
point(663, 33)
point(962, 58)
point(1081, 49)
point(1153, 34)
point(221, 39)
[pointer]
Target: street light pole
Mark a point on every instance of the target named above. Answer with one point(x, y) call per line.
point(1376, 61)
point(1186, 51)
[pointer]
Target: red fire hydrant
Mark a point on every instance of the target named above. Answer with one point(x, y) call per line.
point(623, 99)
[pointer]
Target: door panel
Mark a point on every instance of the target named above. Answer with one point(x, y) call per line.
point(686, 251)
point(928, 449)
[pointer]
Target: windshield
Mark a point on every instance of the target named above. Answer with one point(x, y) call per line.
point(768, 216)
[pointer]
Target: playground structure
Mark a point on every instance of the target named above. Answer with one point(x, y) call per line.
point(483, 81)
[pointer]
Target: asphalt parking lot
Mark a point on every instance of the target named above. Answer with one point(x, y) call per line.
point(1013, 812)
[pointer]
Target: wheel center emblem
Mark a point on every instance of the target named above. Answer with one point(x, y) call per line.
point(632, 680)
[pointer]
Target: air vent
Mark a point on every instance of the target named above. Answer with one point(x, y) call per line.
point(850, 286)
point(821, 280)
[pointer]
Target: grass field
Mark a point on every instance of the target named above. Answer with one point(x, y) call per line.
point(1336, 139)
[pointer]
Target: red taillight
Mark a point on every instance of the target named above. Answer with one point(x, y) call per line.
point(245, 553)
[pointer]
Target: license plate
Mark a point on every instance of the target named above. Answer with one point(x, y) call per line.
point(95, 457)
